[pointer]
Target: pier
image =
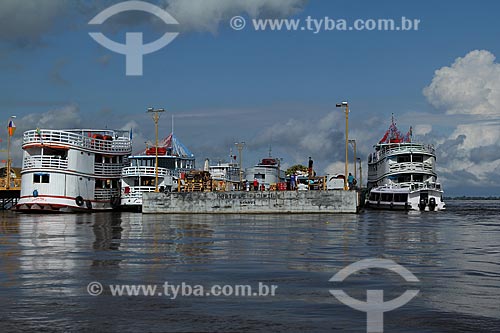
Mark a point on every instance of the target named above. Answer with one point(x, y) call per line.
point(254, 202)
point(9, 193)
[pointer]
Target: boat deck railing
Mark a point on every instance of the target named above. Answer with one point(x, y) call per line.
point(136, 191)
point(106, 169)
point(132, 171)
point(395, 148)
point(410, 166)
point(45, 162)
point(425, 186)
point(103, 194)
point(76, 139)
point(413, 186)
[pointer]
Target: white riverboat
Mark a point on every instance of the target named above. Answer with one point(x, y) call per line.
point(267, 173)
point(401, 174)
point(72, 170)
point(225, 175)
point(140, 175)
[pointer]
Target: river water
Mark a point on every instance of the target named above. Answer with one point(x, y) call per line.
point(48, 261)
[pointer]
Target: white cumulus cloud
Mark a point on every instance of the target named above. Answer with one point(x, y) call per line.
point(468, 89)
point(471, 85)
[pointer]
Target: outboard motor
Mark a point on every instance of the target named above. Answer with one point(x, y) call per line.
point(422, 204)
point(432, 204)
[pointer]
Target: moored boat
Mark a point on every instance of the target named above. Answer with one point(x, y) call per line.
point(225, 175)
point(72, 170)
point(266, 173)
point(401, 174)
point(140, 175)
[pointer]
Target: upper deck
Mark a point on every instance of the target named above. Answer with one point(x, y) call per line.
point(385, 150)
point(99, 141)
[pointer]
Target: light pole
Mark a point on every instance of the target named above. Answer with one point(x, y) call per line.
point(346, 105)
point(353, 142)
point(360, 174)
point(240, 146)
point(11, 129)
point(156, 117)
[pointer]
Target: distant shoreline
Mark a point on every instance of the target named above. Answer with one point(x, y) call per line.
point(471, 198)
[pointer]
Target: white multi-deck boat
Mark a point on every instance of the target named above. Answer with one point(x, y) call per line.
point(72, 170)
point(401, 174)
point(225, 175)
point(267, 173)
point(140, 176)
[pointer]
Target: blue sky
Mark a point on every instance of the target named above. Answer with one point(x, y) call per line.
point(267, 87)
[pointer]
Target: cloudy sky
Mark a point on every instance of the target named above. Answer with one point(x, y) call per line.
point(275, 88)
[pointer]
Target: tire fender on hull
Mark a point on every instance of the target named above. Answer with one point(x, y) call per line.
point(79, 201)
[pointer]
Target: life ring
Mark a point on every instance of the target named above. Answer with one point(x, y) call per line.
point(88, 203)
point(97, 140)
point(79, 201)
point(35, 193)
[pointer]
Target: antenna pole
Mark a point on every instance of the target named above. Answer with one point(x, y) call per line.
point(240, 146)
point(156, 118)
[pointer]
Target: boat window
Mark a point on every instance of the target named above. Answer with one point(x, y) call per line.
point(404, 178)
point(418, 158)
point(147, 181)
point(41, 178)
point(147, 162)
point(166, 163)
point(400, 197)
point(403, 158)
point(418, 178)
point(386, 197)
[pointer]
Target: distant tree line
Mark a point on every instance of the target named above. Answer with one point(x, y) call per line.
point(465, 197)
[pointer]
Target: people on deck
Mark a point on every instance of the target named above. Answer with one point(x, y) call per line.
point(255, 184)
point(351, 181)
point(310, 167)
point(292, 181)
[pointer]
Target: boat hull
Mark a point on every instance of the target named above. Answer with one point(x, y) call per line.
point(47, 204)
point(421, 200)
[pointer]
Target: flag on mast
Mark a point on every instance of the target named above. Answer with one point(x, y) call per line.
point(11, 128)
